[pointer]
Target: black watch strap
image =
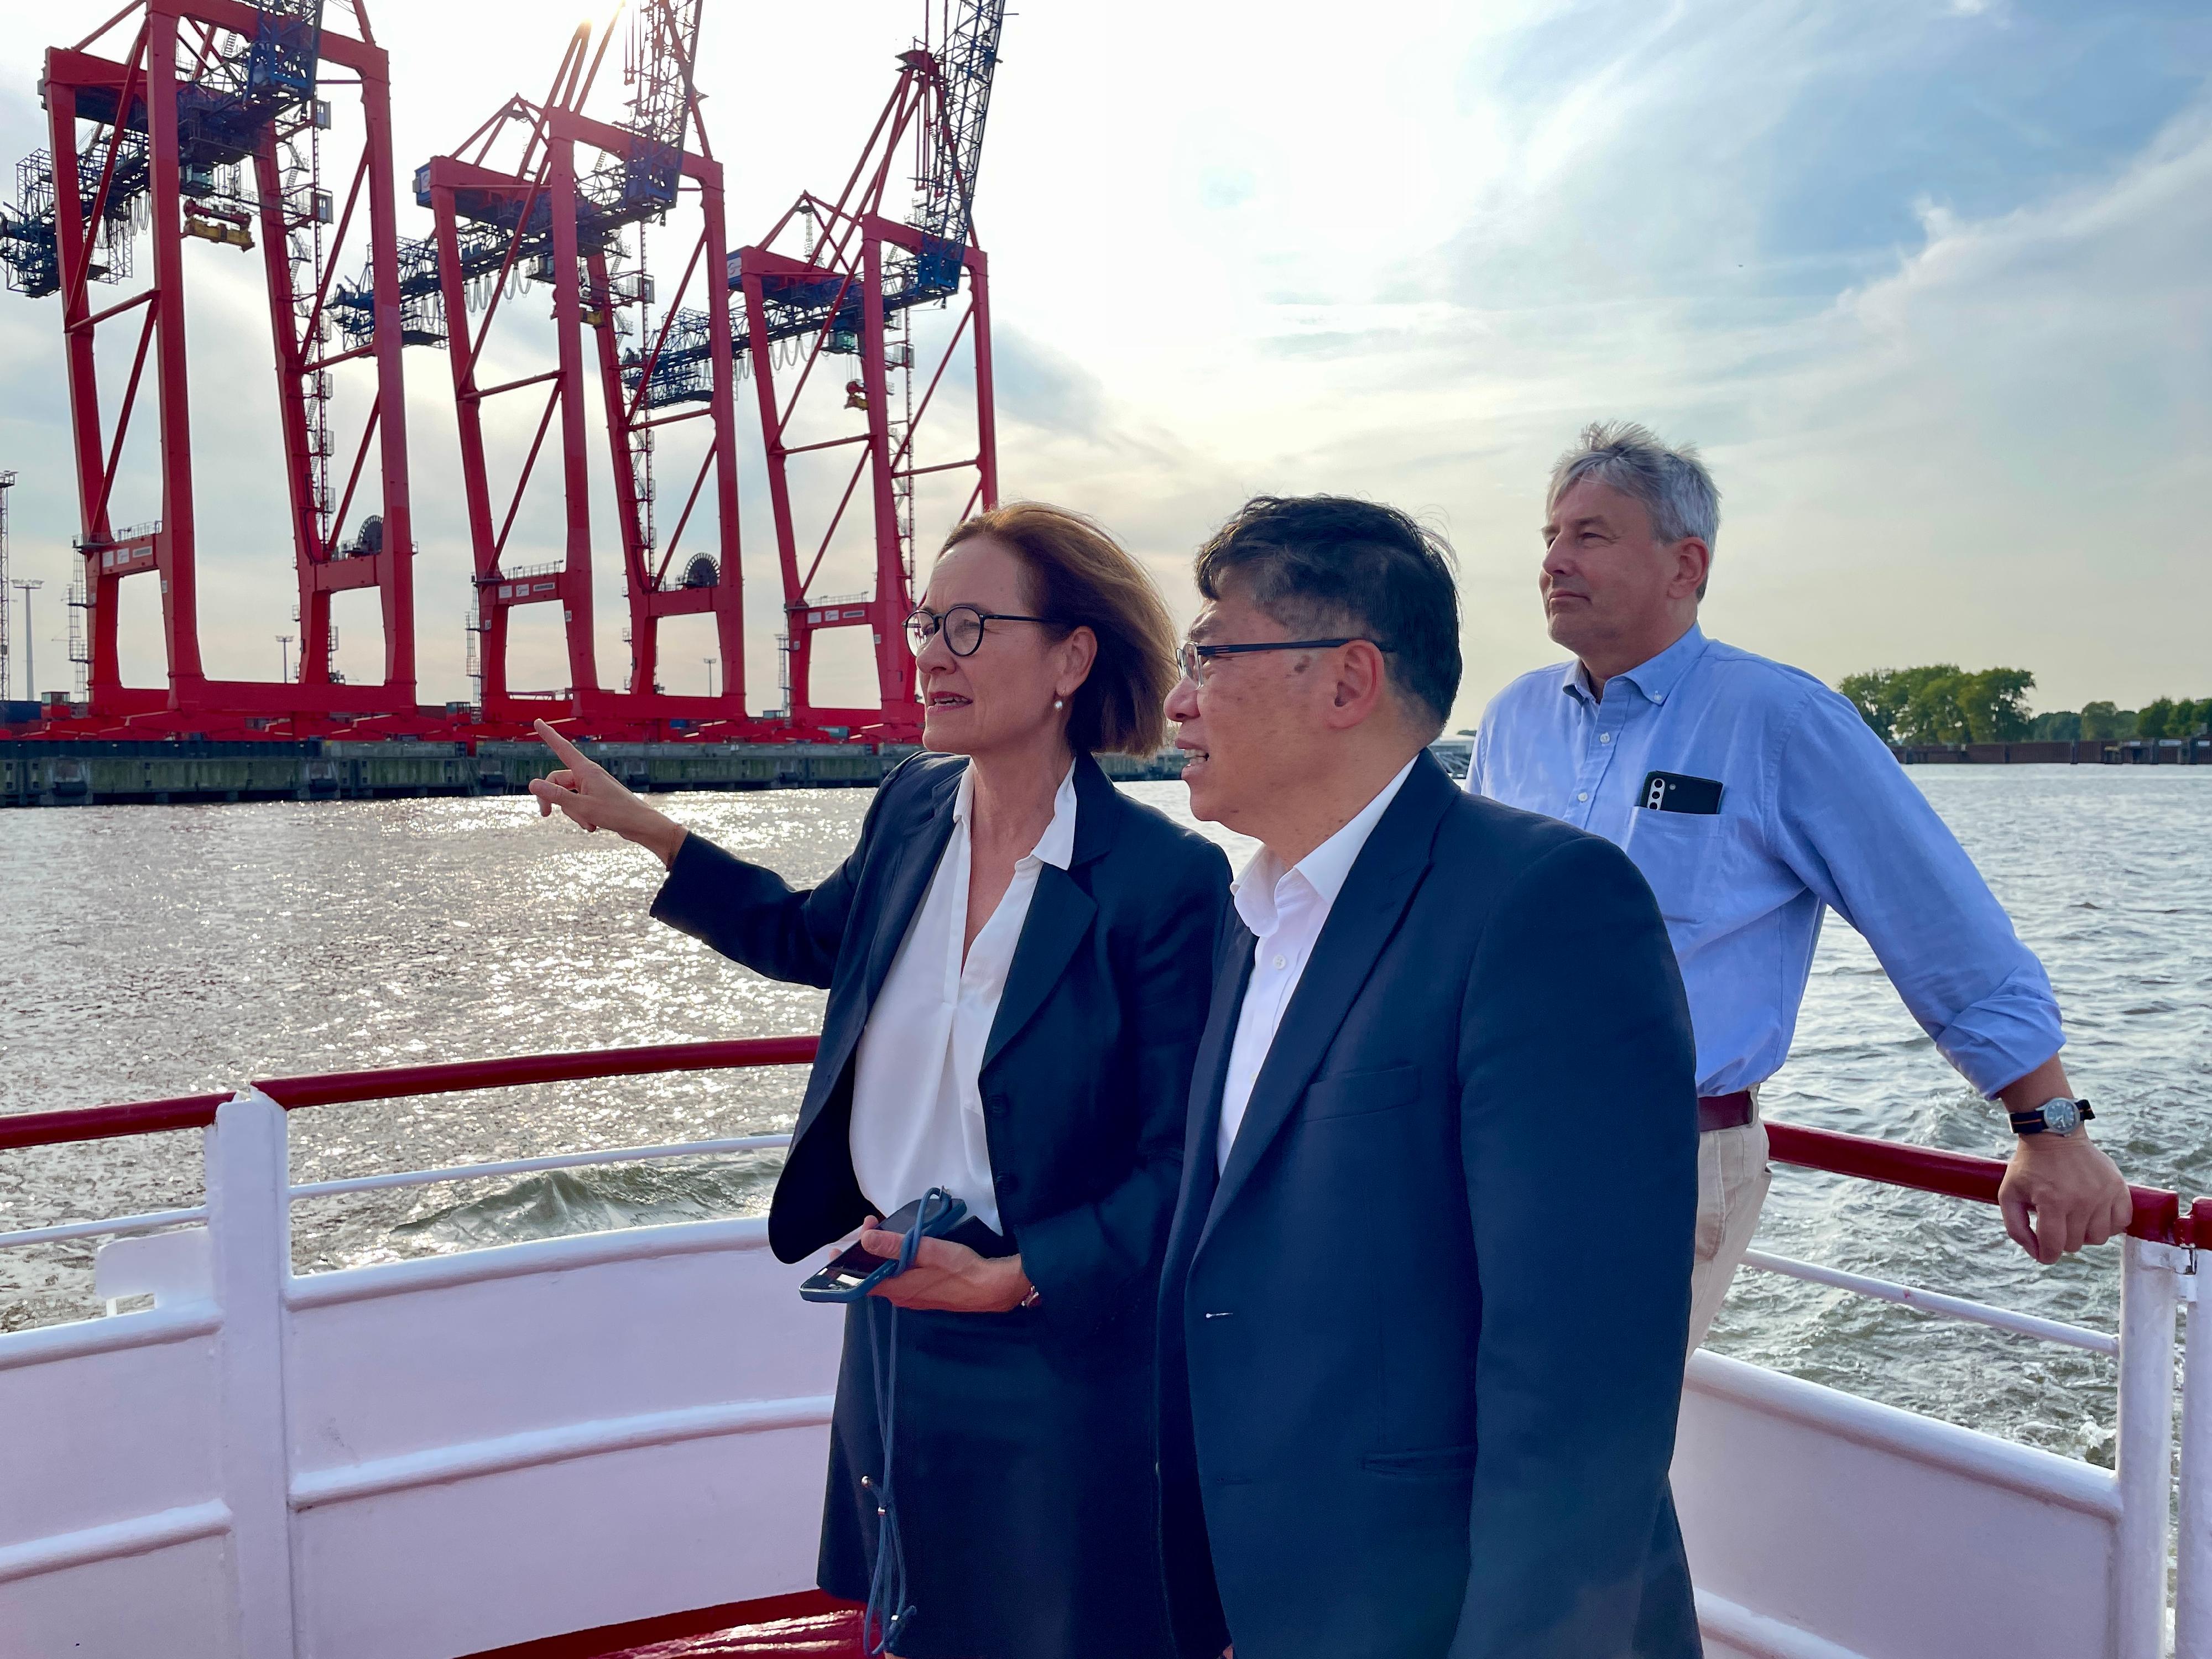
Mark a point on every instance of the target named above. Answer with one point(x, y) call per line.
point(2032, 1123)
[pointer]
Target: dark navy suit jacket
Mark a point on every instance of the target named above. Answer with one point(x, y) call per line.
point(1085, 1074)
point(1422, 1339)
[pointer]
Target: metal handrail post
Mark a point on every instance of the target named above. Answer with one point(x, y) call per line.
point(250, 1217)
point(2149, 1296)
point(2192, 1599)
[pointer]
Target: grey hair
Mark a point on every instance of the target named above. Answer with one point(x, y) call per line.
point(1672, 482)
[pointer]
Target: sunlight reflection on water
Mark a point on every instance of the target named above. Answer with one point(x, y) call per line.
point(153, 951)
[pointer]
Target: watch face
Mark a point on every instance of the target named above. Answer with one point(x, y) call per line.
point(2060, 1116)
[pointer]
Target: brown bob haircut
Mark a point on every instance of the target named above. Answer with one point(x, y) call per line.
point(1080, 577)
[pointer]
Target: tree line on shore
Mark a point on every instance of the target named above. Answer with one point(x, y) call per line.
point(1942, 704)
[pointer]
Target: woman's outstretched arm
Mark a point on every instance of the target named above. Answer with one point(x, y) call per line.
point(750, 914)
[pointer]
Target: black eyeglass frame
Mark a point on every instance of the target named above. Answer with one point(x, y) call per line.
point(937, 619)
point(1190, 654)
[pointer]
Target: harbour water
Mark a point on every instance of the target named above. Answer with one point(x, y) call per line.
point(156, 951)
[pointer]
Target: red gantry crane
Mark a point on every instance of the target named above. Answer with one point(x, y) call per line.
point(569, 214)
point(211, 126)
point(849, 292)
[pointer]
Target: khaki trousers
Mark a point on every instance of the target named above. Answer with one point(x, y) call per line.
point(1732, 1181)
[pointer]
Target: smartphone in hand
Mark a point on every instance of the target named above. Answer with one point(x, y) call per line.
point(856, 1272)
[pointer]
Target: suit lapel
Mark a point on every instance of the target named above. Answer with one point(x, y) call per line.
point(918, 844)
point(920, 849)
point(1060, 910)
point(1060, 916)
point(1360, 923)
point(1209, 1072)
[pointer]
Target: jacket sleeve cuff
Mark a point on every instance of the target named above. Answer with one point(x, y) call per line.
point(1080, 1277)
point(697, 877)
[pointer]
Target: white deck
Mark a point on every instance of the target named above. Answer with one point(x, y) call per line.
point(430, 1458)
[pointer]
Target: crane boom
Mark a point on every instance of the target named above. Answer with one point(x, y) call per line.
point(967, 60)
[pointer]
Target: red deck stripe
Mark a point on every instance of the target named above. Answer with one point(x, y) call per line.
point(808, 1624)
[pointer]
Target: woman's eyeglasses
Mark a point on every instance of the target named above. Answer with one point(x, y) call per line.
point(961, 626)
point(1193, 658)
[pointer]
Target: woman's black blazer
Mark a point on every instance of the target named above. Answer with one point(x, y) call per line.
point(1087, 1075)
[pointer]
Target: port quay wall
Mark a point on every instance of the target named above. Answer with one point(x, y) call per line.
point(2084, 751)
point(48, 773)
point(60, 772)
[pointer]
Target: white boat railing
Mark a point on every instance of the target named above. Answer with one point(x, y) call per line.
point(221, 1274)
point(1935, 1302)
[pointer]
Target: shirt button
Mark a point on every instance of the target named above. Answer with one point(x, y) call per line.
point(1605, 737)
point(1281, 964)
point(1584, 795)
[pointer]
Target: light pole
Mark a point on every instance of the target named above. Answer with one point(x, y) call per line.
point(284, 641)
point(710, 662)
point(30, 672)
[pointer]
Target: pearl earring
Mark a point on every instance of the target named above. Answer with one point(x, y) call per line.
point(1057, 703)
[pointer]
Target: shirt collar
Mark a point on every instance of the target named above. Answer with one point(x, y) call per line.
point(1056, 847)
point(1326, 869)
point(1656, 677)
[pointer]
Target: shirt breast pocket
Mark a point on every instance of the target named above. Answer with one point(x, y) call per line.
point(1684, 855)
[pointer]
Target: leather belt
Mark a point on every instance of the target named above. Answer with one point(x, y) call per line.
point(1724, 1111)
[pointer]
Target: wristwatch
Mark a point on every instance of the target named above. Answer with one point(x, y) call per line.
point(2060, 1116)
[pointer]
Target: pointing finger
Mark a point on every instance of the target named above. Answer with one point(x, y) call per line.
point(569, 754)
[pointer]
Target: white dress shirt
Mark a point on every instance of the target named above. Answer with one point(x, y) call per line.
point(917, 1108)
point(1286, 911)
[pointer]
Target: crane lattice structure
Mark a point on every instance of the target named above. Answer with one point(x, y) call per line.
point(848, 291)
point(570, 214)
point(6, 486)
point(212, 127)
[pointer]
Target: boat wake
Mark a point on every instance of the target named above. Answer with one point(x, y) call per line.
point(561, 1202)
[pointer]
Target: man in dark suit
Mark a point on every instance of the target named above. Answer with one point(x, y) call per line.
point(1429, 1277)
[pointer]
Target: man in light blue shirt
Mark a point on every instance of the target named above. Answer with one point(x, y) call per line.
point(1754, 799)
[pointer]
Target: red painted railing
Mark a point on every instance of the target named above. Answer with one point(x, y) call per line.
point(397, 1081)
point(2158, 1215)
point(148, 1117)
point(1959, 1174)
point(143, 1117)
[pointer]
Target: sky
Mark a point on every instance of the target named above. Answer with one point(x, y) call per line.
point(1924, 279)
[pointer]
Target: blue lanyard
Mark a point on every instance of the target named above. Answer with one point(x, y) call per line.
point(889, 1610)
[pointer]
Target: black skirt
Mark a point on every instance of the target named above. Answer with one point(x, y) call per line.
point(1025, 1482)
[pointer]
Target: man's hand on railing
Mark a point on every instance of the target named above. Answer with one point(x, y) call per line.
point(592, 796)
point(2077, 1194)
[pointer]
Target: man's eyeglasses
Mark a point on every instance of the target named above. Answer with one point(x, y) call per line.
point(1192, 659)
point(961, 626)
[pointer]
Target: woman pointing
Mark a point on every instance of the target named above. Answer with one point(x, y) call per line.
point(1018, 959)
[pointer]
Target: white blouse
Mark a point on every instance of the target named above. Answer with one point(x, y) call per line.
point(917, 1105)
